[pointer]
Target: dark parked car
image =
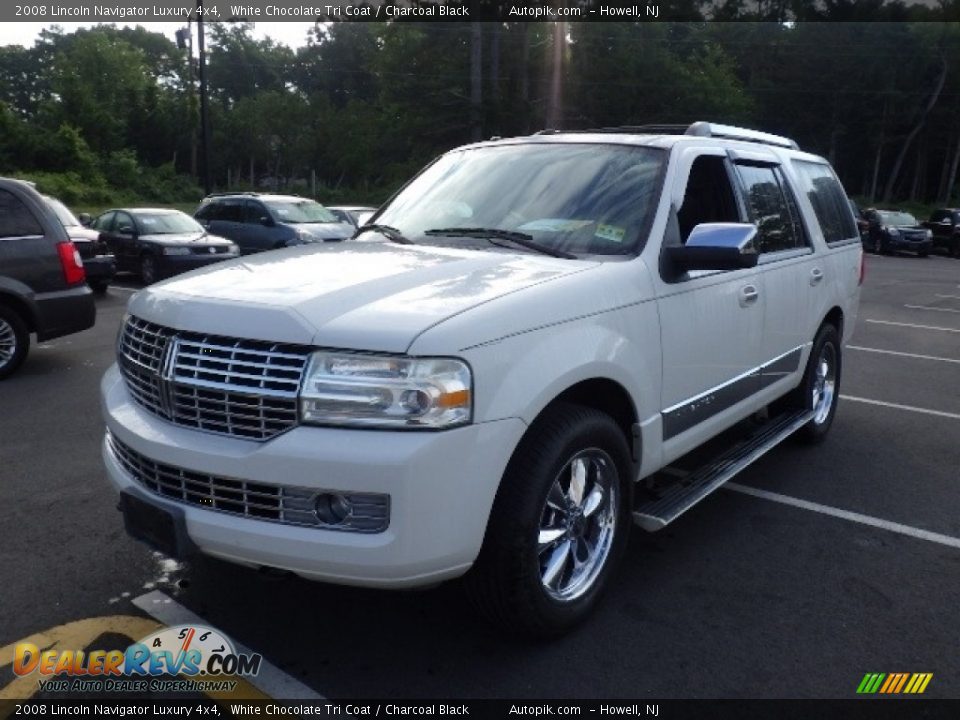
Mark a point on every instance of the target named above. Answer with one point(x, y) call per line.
point(158, 243)
point(261, 221)
point(43, 287)
point(356, 215)
point(945, 226)
point(97, 259)
point(892, 230)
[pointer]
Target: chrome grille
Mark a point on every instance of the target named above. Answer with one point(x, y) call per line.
point(229, 386)
point(277, 503)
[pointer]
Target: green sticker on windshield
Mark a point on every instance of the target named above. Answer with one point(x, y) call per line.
point(610, 232)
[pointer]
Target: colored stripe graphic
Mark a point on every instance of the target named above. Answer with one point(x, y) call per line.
point(894, 683)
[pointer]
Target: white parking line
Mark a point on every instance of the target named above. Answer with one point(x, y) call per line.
point(271, 680)
point(907, 530)
point(911, 325)
point(124, 289)
point(924, 307)
point(952, 297)
point(902, 354)
point(897, 406)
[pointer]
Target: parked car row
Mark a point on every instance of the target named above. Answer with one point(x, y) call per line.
point(886, 231)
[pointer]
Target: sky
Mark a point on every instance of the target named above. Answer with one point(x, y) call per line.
point(293, 34)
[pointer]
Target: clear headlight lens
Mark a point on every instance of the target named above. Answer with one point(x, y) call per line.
point(386, 392)
point(233, 248)
point(892, 231)
point(176, 251)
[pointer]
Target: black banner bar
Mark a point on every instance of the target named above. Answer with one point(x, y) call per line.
point(874, 708)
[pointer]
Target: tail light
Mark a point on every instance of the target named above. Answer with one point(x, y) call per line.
point(71, 263)
point(863, 268)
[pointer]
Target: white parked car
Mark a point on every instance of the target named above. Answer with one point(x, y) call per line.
point(488, 380)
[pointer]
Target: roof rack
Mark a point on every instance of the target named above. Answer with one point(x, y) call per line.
point(700, 129)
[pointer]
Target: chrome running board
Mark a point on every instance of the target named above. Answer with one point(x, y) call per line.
point(657, 513)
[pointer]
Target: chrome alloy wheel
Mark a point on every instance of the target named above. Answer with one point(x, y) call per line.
point(824, 383)
point(8, 342)
point(577, 524)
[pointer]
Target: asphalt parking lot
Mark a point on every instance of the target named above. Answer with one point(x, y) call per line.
point(817, 566)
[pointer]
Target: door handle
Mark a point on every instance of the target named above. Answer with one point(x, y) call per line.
point(748, 295)
point(816, 275)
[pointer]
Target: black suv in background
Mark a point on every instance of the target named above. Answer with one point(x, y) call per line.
point(43, 286)
point(262, 221)
point(944, 224)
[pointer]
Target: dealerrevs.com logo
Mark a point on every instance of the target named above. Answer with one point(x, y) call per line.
point(204, 658)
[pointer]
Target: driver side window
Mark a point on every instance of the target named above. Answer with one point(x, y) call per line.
point(709, 196)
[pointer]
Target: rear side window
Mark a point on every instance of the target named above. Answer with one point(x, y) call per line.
point(828, 199)
point(207, 212)
point(16, 220)
point(771, 208)
point(230, 210)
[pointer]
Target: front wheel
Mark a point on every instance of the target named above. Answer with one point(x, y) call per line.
point(820, 389)
point(558, 526)
point(148, 269)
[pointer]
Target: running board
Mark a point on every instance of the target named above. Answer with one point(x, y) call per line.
point(656, 514)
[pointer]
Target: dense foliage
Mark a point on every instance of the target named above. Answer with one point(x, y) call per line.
point(107, 113)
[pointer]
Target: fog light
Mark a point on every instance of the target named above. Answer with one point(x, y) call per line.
point(333, 508)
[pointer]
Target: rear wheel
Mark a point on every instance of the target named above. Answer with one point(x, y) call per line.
point(559, 524)
point(14, 341)
point(820, 389)
point(99, 286)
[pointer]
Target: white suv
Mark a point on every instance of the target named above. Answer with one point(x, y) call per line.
point(489, 377)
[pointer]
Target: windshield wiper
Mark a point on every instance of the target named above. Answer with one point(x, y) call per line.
point(491, 234)
point(389, 232)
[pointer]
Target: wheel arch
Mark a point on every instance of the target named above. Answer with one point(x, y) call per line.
point(21, 307)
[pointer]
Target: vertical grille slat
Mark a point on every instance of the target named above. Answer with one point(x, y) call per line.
point(228, 386)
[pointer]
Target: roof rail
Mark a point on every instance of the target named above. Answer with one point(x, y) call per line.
point(701, 129)
point(708, 129)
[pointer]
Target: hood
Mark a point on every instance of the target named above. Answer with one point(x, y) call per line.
point(363, 296)
point(200, 238)
point(325, 231)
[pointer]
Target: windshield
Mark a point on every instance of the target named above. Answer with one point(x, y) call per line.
point(580, 198)
point(66, 217)
point(897, 218)
point(168, 223)
point(300, 211)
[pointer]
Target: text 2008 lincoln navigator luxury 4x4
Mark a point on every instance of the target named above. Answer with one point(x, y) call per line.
point(488, 378)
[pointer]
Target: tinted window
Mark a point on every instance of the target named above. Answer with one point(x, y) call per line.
point(769, 209)
point(254, 211)
point(167, 223)
point(16, 220)
point(207, 212)
point(124, 223)
point(104, 222)
point(709, 197)
point(939, 215)
point(230, 210)
point(828, 199)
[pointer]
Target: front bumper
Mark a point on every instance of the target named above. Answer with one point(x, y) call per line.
point(441, 487)
point(169, 265)
point(916, 246)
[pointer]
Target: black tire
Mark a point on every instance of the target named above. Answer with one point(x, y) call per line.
point(99, 286)
point(922, 253)
point(14, 341)
point(826, 347)
point(148, 269)
point(507, 582)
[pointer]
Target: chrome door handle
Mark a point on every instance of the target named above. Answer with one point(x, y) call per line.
point(816, 275)
point(748, 295)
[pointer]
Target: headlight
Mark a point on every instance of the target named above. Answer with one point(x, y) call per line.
point(380, 391)
point(176, 251)
point(891, 231)
point(231, 248)
point(929, 234)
